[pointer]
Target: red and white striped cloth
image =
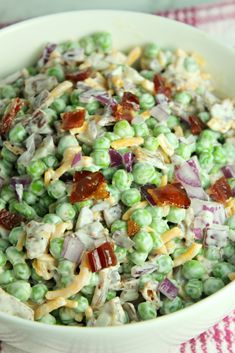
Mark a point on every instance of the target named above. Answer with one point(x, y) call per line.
point(218, 20)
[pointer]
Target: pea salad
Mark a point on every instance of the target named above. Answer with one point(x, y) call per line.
point(117, 184)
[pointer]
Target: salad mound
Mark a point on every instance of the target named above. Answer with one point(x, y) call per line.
point(117, 184)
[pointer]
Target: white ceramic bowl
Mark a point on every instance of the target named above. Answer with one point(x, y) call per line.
point(19, 46)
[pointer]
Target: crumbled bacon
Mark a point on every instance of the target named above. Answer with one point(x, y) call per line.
point(10, 115)
point(161, 86)
point(102, 257)
point(125, 109)
point(196, 125)
point(79, 75)
point(88, 185)
point(132, 228)
point(71, 120)
point(9, 220)
point(220, 191)
point(170, 194)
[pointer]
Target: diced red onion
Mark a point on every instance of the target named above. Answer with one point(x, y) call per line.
point(115, 157)
point(74, 55)
point(146, 195)
point(217, 235)
point(105, 99)
point(25, 180)
point(215, 208)
point(228, 171)
point(123, 240)
point(76, 159)
point(160, 112)
point(138, 271)
point(49, 48)
point(168, 288)
point(188, 175)
point(19, 189)
point(128, 159)
point(73, 249)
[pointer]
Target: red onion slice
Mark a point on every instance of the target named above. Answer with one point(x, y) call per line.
point(228, 171)
point(145, 194)
point(138, 271)
point(115, 158)
point(105, 99)
point(128, 159)
point(168, 288)
point(76, 159)
point(123, 240)
point(215, 208)
point(217, 235)
point(73, 249)
point(25, 180)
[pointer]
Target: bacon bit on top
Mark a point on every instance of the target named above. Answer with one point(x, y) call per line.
point(161, 86)
point(81, 75)
point(170, 194)
point(10, 115)
point(9, 220)
point(73, 120)
point(102, 257)
point(220, 191)
point(125, 109)
point(196, 125)
point(132, 227)
point(88, 185)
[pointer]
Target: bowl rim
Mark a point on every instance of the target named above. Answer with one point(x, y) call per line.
point(131, 326)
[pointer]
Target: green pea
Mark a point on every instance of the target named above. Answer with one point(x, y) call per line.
point(58, 105)
point(164, 264)
point(17, 134)
point(206, 160)
point(159, 225)
point(46, 201)
point(101, 143)
point(151, 50)
point(157, 241)
point(8, 91)
point(144, 279)
point(111, 136)
point(156, 212)
point(172, 139)
point(65, 142)
point(14, 235)
point(111, 295)
point(56, 247)
point(65, 211)
point(6, 277)
point(35, 277)
point(176, 215)
point(22, 271)
point(108, 173)
point(172, 121)
point(206, 141)
point(190, 65)
point(51, 161)
point(147, 101)
point(138, 258)
point(119, 225)
point(48, 319)
point(222, 269)
point(121, 253)
point(4, 244)
point(143, 241)
point(40, 209)
point(19, 289)
point(151, 143)
point(230, 151)
point(79, 205)
point(57, 189)
point(148, 74)
point(142, 217)
point(52, 218)
point(56, 71)
point(65, 268)
point(82, 303)
point(92, 107)
point(8, 155)
point(212, 285)
point(183, 97)
point(193, 288)
point(103, 41)
point(228, 250)
point(143, 173)
point(2, 204)
point(29, 198)
point(151, 123)
point(213, 253)
point(122, 180)
point(15, 256)
point(147, 311)
point(204, 116)
point(66, 315)
point(5, 169)
point(130, 197)
point(101, 158)
point(220, 155)
point(184, 151)
point(88, 44)
point(141, 130)
point(123, 129)
point(38, 293)
point(36, 168)
point(193, 269)
point(7, 193)
point(170, 306)
point(24, 209)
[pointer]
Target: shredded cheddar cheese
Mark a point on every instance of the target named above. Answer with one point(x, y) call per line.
point(171, 234)
point(133, 56)
point(129, 212)
point(127, 142)
point(164, 180)
point(191, 252)
point(49, 306)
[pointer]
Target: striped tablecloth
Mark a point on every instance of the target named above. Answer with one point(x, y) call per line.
point(218, 20)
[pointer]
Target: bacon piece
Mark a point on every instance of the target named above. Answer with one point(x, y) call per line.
point(130, 101)
point(73, 120)
point(132, 227)
point(161, 86)
point(10, 115)
point(102, 257)
point(196, 125)
point(122, 113)
point(10, 220)
point(125, 109)
point(170, 194)
point(79, 75)
point(220, 191)
point(88, 185)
